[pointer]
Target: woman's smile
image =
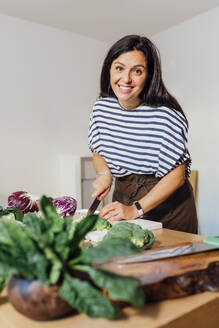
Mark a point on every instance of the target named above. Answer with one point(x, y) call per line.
point(127, 77)
point(125, 89)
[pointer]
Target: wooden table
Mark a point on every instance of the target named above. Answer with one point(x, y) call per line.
point(196, 311)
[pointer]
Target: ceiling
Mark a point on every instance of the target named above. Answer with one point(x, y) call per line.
point(107, 20)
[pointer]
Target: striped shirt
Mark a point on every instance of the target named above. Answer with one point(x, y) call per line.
point(144, 140)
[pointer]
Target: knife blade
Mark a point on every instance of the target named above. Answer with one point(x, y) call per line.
point(208, 244)
point(93, 206)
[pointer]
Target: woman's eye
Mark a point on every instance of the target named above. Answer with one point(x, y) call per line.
point(138, 71)
point(118, 68)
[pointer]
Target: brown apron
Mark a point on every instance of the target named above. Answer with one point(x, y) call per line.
point(178, 212)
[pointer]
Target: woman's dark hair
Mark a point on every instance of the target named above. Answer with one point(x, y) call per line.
point(154, 93)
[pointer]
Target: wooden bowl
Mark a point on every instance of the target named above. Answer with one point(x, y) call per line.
point(37, 301)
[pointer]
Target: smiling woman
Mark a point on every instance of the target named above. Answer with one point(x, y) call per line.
point(138, 134)
point(127, 78)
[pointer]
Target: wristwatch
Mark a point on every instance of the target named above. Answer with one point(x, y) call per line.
point(139, 209)
point(106, 172)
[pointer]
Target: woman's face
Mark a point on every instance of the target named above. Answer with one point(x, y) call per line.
point(128, 75)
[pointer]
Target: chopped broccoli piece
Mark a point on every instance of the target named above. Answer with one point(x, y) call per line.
point(138, 236)
point(149, 238)
point(101, 224)
point(11, 213)
point(8, 216)
point(127, 230)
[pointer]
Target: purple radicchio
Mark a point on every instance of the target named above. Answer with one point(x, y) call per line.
point(24, 201)
point(65, 205)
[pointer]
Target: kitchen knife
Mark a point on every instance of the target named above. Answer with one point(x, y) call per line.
point(208, 244)
point(93, 206)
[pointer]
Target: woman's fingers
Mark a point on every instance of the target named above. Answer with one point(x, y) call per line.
point(112, 217)
point(112, 211)
point(101, 187)
point(100, 195)
point(98, 190)
point(116, 211)
point(103, 195)
point(107, 208)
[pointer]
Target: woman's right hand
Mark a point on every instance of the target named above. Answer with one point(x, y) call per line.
point(102, 186)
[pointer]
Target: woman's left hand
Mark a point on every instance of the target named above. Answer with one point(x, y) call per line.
point(116, 211)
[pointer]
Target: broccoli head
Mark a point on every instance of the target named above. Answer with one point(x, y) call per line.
point(127, 230)
point(101, 224)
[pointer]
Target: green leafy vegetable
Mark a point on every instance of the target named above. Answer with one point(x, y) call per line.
point(107, 249)
point(3, 282)
point(19, 253)
point(120, 288)
point(50, 249)
point(52, 219)
point(87, 299)
point(81, 229)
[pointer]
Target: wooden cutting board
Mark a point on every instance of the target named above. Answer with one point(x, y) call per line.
point(173, 277)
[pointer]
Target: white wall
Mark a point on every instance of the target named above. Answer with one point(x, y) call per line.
point(48, 82)
point(190, 57)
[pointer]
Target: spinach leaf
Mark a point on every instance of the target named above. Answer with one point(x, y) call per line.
point(86, 299)
point(120, 288)
point(14, 235)
point(3, 282)
point(61, 245)
point(55, 263)
point(35, 223)
point(11, 266)
point(19, 251)
point(53, 220)
point(70, 226)
point(39, 226)
point(81, 229)
point(106, 250)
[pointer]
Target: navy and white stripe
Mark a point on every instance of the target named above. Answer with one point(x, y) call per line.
point(144, 140)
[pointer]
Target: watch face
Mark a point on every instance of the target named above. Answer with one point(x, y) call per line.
point(140, 210)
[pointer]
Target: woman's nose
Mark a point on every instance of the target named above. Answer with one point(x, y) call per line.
point(126, 77)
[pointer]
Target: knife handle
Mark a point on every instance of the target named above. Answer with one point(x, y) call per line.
point(213, 241)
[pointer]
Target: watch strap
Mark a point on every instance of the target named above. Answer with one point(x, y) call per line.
point(139, 209)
